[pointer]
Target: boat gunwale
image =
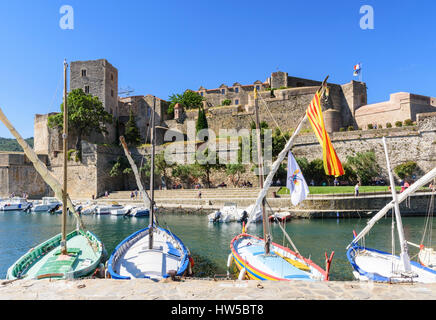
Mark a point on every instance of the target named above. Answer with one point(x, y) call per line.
point(258, 272)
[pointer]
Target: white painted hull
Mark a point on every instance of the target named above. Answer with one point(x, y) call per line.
point(383, 267)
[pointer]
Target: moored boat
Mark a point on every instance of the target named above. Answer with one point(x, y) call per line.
point(15, 204)
point(153, 252)
point(47, 204)
point(84, 254)
point(281, 264)
point(375, 265)
point(280, 216)
point(66, 255)
point(106, 209)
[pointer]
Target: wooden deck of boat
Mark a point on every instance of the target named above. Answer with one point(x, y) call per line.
point(80, 255)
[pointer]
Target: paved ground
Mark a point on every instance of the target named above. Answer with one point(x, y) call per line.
point(108, 289)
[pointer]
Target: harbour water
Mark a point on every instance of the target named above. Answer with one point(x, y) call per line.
point(209, 243)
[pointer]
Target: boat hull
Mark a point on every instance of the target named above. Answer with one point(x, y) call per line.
point(44, 261)
point(273, 267)
point(132, 258)
point(375, 265)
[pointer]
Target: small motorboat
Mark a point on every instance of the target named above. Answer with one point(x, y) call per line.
point(226, 214)
point(47, 204)
point(123, 211)
point(280, 216)
point(102, 210)
point(15, 204)
point(139, 212)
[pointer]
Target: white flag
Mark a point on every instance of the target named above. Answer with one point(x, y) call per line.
point(295, 181)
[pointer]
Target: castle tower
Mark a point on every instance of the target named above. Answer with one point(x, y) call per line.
point(98, 78)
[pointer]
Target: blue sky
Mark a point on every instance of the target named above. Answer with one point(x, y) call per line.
point(165, 47)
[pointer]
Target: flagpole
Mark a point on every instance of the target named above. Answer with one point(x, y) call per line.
point(280, 158)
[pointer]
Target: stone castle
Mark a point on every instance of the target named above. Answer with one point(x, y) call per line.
point(285, 97)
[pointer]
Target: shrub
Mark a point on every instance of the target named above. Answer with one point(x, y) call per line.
point(408, 122)
point(342, 129)
point(226, 102)
point(350, 128)
point(398, 124)
point(406, 169)
point(388, 125)
point(370, 126)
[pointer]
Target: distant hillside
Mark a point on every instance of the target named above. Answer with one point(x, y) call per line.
point(12, 144)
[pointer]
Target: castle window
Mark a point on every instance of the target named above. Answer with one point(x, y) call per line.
point(236, 101)
point(112, 93)
point(83, 73)
point(236, 90)
point(112, 76)
point(223, 91)
point(86, 89)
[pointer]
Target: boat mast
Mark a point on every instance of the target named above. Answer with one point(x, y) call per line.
point(153, 142)
point(65, 146)
point(403, 243)
point(282, 155)
point(261, 177)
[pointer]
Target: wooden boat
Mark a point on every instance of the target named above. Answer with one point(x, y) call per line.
point(84, 255)
point(152, 252)
point(248, 252)
point(262, 259)
point(66, 256)
point(375, 265)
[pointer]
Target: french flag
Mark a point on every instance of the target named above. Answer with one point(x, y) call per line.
point(357, 69)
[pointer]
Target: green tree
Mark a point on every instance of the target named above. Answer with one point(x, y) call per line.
point(132, 132)
point(235, 171)
point(365, 166)
point(189, 100)
point(187, 174)
point(86, 115)
point(201, 120)
point(120, 166)
point(405, 170)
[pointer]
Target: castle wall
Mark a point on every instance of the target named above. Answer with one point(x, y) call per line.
point(401, 106)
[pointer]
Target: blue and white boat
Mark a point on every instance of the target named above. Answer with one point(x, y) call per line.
point(15, 204)
point(153, 252)
point(375, 265)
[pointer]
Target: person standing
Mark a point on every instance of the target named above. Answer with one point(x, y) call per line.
point(356, 190)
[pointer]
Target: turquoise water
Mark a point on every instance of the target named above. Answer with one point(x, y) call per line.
point(208, 243)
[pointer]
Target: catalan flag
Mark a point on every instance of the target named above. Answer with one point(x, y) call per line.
point(332, 164)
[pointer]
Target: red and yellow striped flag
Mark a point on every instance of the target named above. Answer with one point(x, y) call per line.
point(332, 164)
